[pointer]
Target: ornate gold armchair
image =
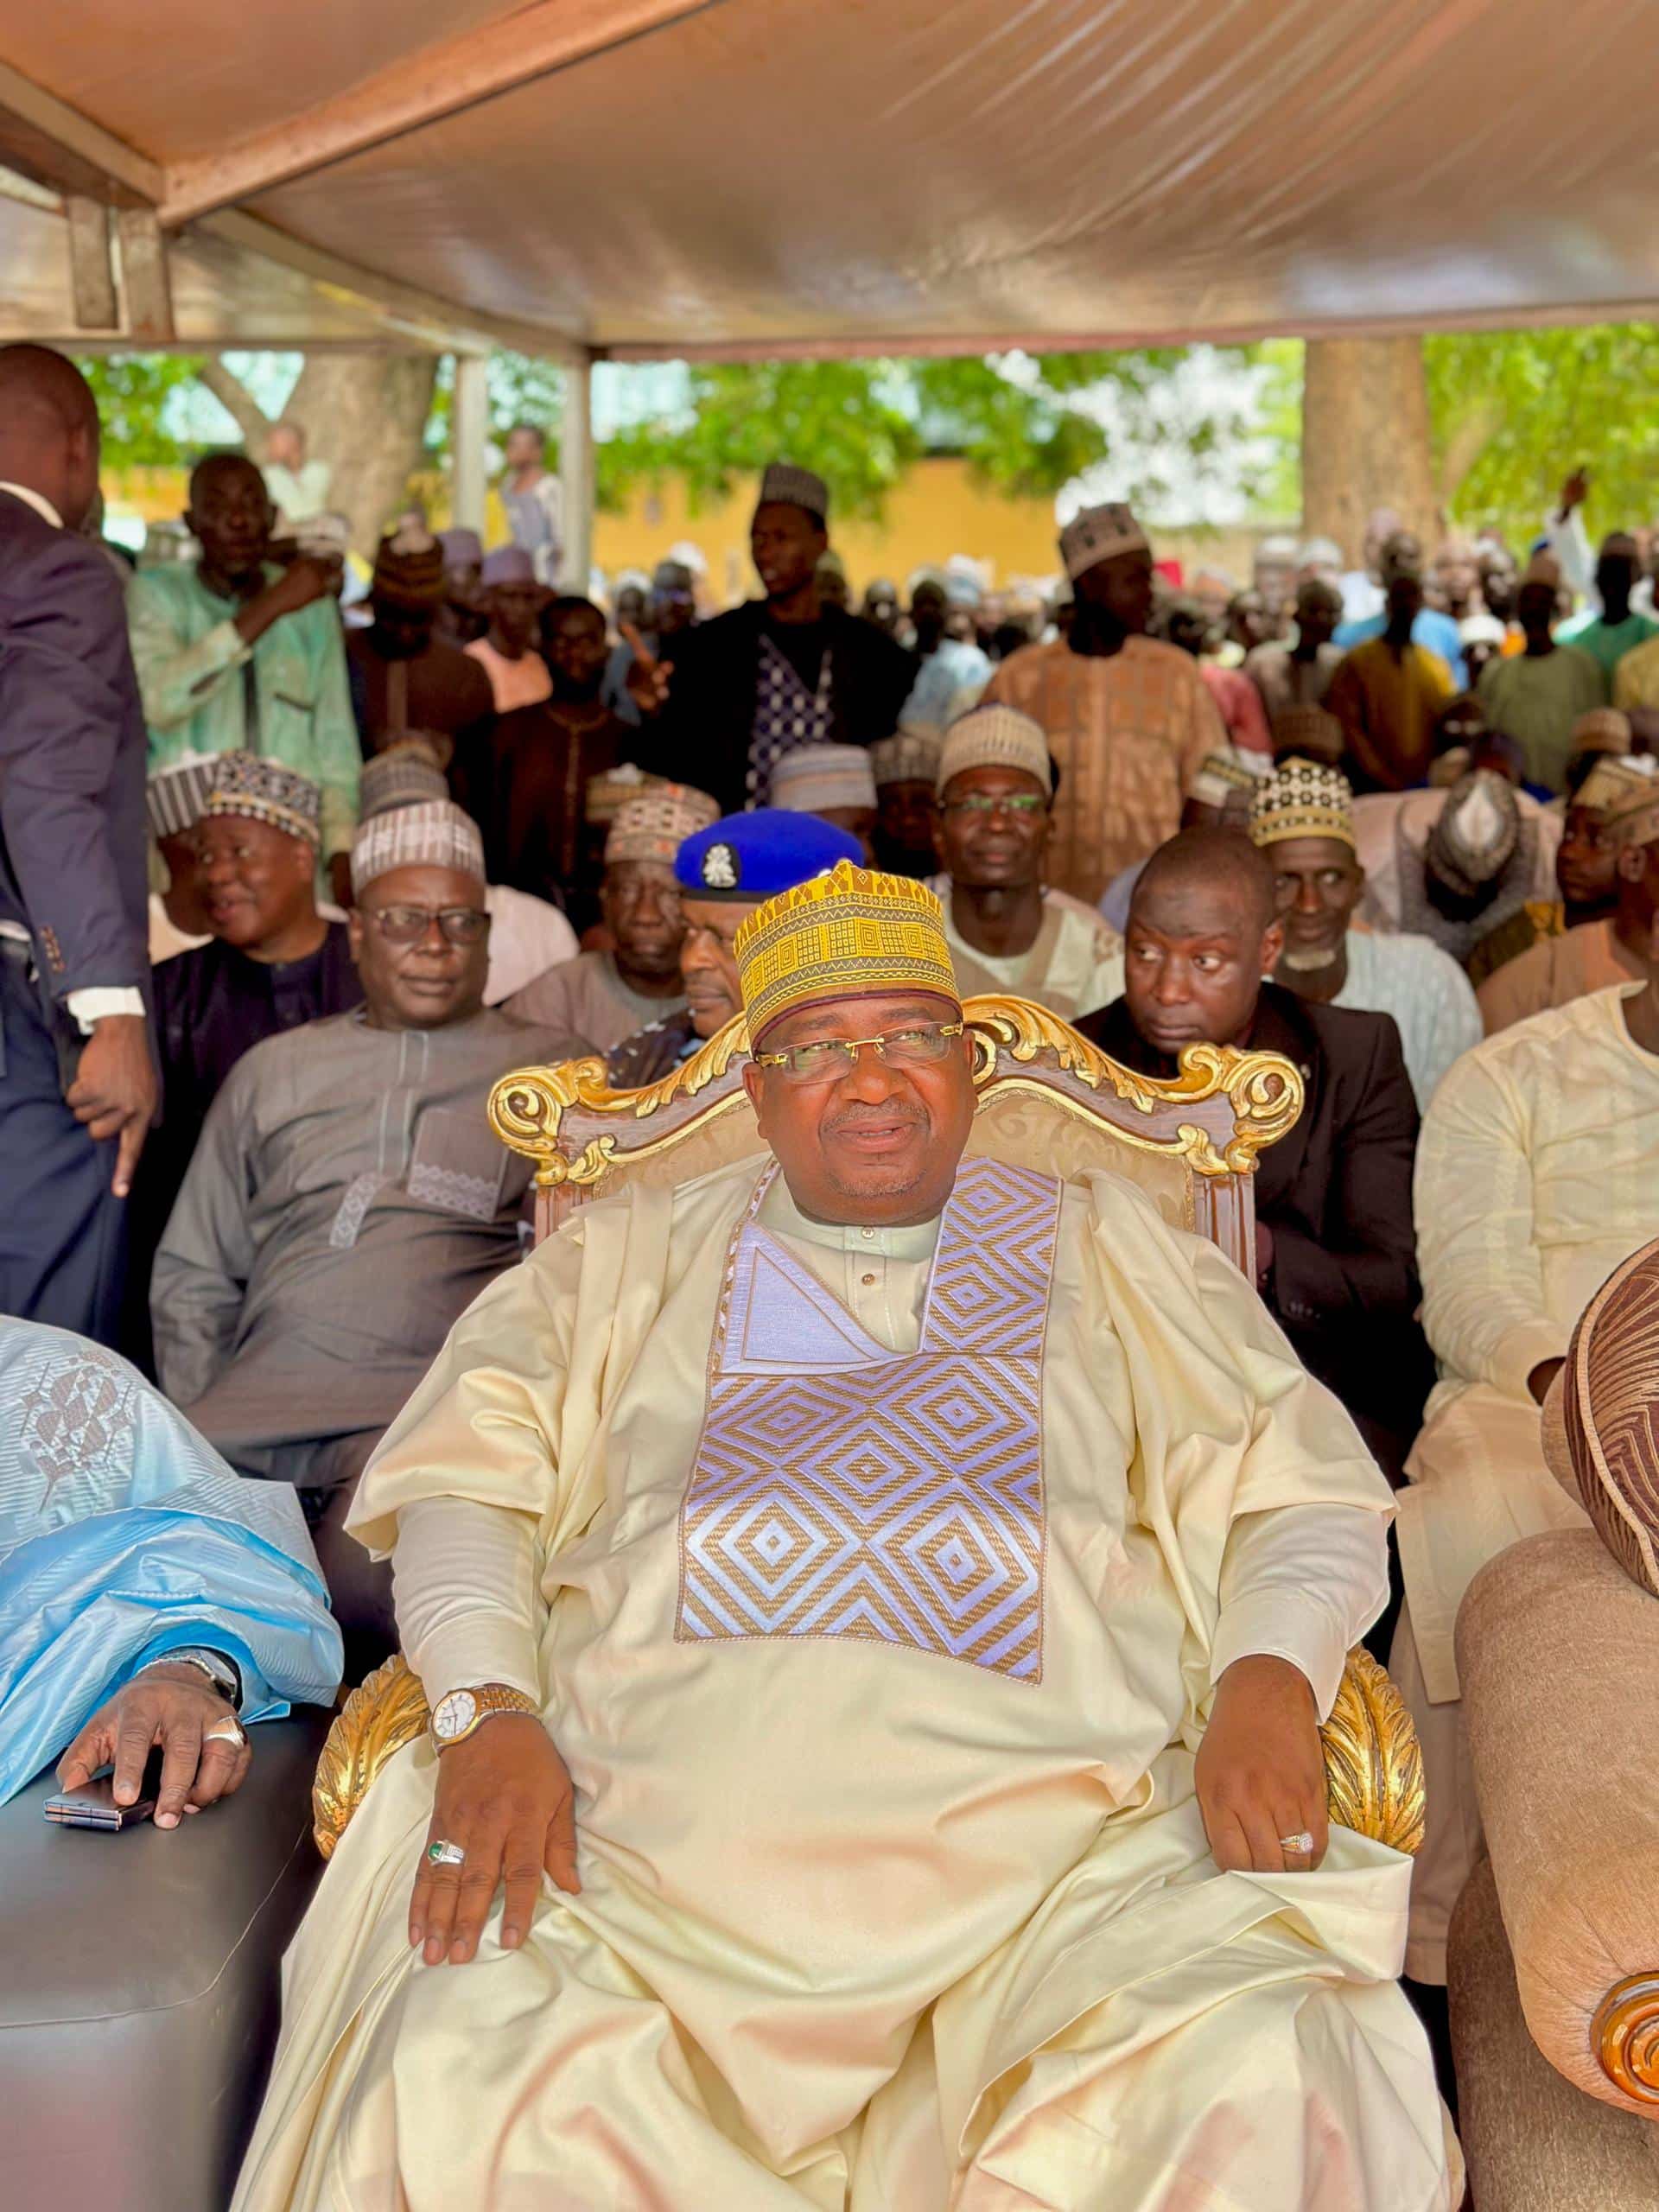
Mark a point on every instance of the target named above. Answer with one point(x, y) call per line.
point(1048, 1098)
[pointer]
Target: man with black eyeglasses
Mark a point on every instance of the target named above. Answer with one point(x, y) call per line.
point(347, 1200)
point(1007, 931)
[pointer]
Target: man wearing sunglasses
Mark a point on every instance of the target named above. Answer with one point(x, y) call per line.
point(347, 1200)
point(1007, 931)
point(876, 1605)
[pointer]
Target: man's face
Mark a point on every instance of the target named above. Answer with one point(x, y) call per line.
point(231, 517)
point(1456, 577)
point(1476, 654)
point(786, 546)
point(254, 881)
point(524, 450)
point(708, 962)
point(1587, 866)
point(1535, 609)
point(1402, 552)
point(833, 588)
point(414, 976)
point(513, 609)
point(857, 821)
point(882, 607)
point(673, 608)
point(1248, 620)
point(1122, 586)
point(1317, 883)
point(1193, 963)
point(577, 652)
point(1405, 596)
point(402, 631)
point(927, 605)
point(1319, 610)
point(905, 817)
point(990, 835)
point(1497, 582)
point(877, 1140)
point(463, 583)
point(1617, 570)
point(640, 902)
point(631, 605)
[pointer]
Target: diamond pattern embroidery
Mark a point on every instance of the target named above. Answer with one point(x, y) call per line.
point(891, 1500)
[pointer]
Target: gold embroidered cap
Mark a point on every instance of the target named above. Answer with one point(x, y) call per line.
point(843, 935)
point(1302, 798)
point(1625, 794)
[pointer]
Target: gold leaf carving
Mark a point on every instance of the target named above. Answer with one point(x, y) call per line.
point(1373, 1762)
point(387, 1710)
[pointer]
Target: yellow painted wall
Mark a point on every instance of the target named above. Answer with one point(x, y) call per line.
point(937, 510)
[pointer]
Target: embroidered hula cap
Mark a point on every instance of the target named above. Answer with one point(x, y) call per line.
point(1625, 793)
point(1303, 799)
point(655, 824)
point(995, 737)
point(263, 790)
point(844, 935)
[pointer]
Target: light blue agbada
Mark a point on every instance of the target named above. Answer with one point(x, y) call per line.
point(123, 1535)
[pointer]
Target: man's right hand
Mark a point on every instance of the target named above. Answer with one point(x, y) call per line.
point(1575, 489)
point(647, 677)
point(303, 581)
point(114, 1093)
point(505, 1797)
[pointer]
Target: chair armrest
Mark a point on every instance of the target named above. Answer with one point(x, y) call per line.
point(1557, 1652)
point(1373, 1769)
point(387, 1711)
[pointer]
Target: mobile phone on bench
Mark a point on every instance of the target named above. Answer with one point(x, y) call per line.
point(93, 1805)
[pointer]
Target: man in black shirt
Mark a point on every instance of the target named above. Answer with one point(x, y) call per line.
point(738, 693)
point(1336, 1253)
point(272, 962)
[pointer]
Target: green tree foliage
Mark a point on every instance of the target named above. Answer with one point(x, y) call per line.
point(1514, 412)
point(132, 391)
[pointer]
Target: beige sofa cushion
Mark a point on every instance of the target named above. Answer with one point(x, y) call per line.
point(1558, 1651)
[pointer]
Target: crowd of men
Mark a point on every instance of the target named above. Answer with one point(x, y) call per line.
point(282, 895)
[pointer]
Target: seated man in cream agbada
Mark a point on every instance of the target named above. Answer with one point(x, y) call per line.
point(876, 1608)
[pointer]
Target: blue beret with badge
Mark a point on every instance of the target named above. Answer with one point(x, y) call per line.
point(753, 856)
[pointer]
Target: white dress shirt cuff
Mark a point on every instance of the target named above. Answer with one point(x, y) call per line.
point(466, 1583)
point(93, 1002)
point(1302, 1583)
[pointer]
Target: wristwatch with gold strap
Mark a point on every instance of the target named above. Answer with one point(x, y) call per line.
point(458, 1715)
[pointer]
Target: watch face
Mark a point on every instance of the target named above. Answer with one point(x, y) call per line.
point(455, 1715)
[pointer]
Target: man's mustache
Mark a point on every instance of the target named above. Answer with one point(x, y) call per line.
point(850, 1117)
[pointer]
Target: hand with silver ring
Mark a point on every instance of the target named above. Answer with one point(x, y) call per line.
point(445, 1854)
point(206, 1754)
point(1260, 1771)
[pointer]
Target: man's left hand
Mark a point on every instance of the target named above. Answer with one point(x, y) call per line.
point(174, 1706)
point(1261, 1769)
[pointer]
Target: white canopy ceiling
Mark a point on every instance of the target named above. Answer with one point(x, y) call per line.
point(674, 177)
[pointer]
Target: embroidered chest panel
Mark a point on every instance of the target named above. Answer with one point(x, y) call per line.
point(842, 1491)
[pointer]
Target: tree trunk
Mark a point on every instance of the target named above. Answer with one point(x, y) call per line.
point(365, 413)
point(1365, 439)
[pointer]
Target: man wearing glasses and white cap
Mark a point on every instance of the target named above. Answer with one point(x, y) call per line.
point(348, 1199)
point(1129, 720)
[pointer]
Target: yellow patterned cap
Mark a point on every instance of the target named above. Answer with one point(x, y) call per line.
point(843, 935)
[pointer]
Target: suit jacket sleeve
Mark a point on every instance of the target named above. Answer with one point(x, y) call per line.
point(1367, 1265)
point(62, 722)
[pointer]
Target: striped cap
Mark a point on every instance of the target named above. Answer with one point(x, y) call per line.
point(176, 797)
point(435, 835)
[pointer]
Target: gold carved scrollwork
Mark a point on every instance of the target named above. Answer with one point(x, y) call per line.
point(1264, 1090)
point(1626, 2037)
point(387, 1710)
point(1373, 1762)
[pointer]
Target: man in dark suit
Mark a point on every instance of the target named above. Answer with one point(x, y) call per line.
point(78, 1087)
point(727, 699)
point(1336, 1258)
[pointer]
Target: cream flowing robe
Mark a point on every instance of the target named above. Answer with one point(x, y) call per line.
point(1537, 1173)
point(862, 1926)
